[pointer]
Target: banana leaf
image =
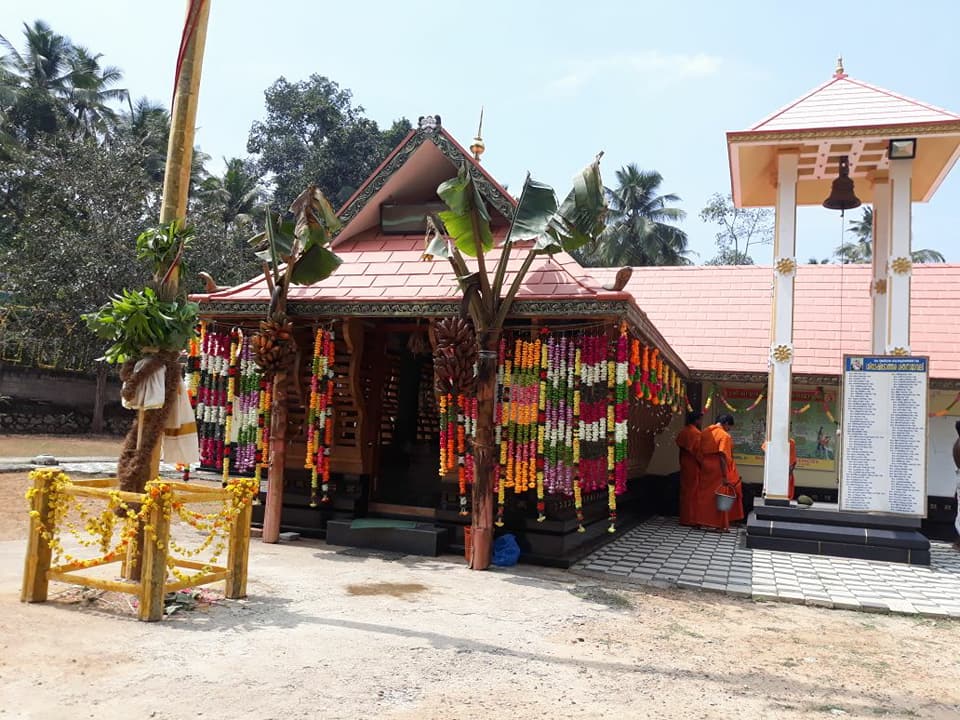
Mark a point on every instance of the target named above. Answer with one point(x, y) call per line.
point(467, 220)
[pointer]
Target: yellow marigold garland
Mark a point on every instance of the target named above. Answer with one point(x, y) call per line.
point(99, 529)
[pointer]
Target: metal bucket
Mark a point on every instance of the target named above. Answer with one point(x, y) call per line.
point(725, 501)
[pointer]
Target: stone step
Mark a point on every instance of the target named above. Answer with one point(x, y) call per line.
point(830, 514)
point(407, 537)
point(890, 545)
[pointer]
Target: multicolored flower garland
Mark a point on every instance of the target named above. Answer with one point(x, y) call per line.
point(320, 416)
point(247, 404)
point(458, 424)
point(211, 408)
point(230, 402)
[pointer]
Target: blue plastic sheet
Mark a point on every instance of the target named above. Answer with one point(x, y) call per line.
point(506, 551)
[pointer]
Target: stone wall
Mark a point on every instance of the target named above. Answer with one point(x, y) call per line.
point(34, 400)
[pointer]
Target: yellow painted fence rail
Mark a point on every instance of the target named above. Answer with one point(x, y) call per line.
point(128, 519)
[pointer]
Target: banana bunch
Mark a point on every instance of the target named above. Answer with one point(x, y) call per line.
point(455, 357)
point(273, 347)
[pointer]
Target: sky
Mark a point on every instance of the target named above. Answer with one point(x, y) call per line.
point(653, 84)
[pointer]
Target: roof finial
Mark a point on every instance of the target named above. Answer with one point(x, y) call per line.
point(839, 71)
point(478, 147)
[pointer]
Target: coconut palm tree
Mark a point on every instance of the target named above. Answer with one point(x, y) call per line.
point(640, 229)
point(148, 124)
point(52, 83)
point(861, 249)
point(37, 78)
point(91, 93)
point(238, 192)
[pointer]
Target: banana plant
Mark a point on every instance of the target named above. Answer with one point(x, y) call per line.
point(297, 251)
point(462, 231)
point(292, 251)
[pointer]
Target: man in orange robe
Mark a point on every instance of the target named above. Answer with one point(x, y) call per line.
point(688, 440)
point(718, 470)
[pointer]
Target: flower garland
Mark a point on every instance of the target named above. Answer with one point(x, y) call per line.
point(248, 404)
point(320, 416)
point(98, 529)
point(592, 429)
point(230, 403)
point(575, 423)
point(193, 363)
point(211, 411)
point(541, 426)
point(262, 456)
point(558, 411)
point(458, 425)
point(621, 418)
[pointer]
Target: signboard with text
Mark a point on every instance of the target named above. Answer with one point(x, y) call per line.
point(883, 466)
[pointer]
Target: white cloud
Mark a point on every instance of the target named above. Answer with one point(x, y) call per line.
point(650, 69)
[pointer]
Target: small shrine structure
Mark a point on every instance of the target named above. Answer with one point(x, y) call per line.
point(393, 459)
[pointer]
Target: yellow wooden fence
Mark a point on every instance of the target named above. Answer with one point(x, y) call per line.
point(152, 523)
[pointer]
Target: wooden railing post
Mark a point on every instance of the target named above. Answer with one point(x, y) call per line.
point(37, 563)
point(238, 554)
point(153, 555)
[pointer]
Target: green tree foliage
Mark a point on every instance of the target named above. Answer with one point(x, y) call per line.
point(238, 192)
point(641, 226)
point(51, 84)
point(860, 249)
point(741, 230)
point(314, 135)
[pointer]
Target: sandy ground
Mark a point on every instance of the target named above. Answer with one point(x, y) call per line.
point(337, 633)
point(59, 445)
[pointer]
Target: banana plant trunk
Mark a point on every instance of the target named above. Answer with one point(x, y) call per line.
point(278, 454)
point(482, 499)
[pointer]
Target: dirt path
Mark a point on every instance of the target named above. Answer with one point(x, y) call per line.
point(59, 445)
point(334, 633)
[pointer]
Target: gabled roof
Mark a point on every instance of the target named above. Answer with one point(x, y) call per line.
point(718, 318)
point(843, 102)
point(842, 117)
point(426, 157)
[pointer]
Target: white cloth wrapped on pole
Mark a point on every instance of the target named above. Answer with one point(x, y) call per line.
point(180, 441)
point(149, 395)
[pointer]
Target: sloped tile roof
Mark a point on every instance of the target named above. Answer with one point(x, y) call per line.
point(718, 318)
point(843, 102)
point(380, 267)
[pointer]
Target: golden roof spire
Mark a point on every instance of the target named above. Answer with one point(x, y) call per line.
point(478, 147)
point(839, 70)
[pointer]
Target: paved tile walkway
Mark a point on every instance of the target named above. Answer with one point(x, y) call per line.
point(662, 553)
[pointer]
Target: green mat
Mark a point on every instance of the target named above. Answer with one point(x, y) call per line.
point(363, 523)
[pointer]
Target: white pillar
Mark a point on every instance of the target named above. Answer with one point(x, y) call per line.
point(881, 257)
point(776, 466)
point(899, 264)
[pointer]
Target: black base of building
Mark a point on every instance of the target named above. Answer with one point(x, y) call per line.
point(824, 530)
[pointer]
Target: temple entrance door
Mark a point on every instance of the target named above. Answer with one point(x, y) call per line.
point(408, 443)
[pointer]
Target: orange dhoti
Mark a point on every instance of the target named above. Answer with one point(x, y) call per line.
point(689, 482)
point(716, 446)
point(688, 440)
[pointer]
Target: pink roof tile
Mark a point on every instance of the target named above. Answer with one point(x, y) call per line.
point(394, 270)
point(843, 102)
point(718, 318)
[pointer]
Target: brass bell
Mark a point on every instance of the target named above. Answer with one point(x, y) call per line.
point(841, 194)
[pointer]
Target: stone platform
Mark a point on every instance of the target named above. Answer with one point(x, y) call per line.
point(825, 530)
